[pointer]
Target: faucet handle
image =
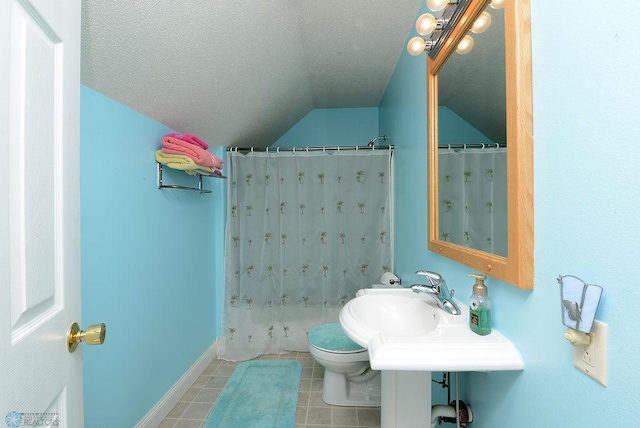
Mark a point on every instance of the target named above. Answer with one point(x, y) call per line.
point(431, 275)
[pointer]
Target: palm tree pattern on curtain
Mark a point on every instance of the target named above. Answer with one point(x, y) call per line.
point(305, 231)
point(472, 190)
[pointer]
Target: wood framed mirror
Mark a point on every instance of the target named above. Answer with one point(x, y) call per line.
point(516, 267)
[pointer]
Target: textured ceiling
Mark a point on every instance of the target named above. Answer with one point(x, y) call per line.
point(239, 72)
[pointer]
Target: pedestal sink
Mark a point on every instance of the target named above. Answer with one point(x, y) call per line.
point(398, 314)
point(408, 337)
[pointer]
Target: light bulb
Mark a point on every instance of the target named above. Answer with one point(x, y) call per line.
point(425, 24)
point(437, 5)
point(482, 23)
point(497, 4)
point(416, 46)
point(465, 45)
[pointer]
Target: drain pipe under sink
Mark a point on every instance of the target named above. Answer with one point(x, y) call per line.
point(444, 413)
point(441, 411)
point(457, 412)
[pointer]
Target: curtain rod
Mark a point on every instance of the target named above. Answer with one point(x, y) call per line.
point(472, 146)
point(305, 149)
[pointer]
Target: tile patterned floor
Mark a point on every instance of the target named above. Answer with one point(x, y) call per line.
point(196, 404)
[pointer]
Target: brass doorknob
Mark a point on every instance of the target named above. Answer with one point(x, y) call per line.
point(94, 335)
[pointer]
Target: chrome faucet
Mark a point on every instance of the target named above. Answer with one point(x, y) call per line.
point(437, 289)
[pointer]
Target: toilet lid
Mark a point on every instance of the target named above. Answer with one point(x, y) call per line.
point(331, 338)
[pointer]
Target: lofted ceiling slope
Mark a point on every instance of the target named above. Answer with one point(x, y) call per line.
point(240, 73)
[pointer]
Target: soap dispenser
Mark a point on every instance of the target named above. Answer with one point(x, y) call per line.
point(480, 307)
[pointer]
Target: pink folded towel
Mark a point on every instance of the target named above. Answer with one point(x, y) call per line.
point(177, 146)
point(189, 138)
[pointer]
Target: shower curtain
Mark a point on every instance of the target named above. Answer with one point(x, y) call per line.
point(473, 198)
point(305, 231)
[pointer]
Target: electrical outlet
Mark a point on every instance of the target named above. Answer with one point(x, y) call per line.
point(591, 359)
point(589, 353)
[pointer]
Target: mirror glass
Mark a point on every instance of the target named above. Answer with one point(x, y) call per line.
point(483, 97)
point(472, 135)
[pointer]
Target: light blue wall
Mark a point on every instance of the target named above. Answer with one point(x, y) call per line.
point(333, 127)
point(403, 112)
point(585, 94)
point(147, 268)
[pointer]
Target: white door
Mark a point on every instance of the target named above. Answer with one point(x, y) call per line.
point(40, 381)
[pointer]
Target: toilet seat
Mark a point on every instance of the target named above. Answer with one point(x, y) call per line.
point(332, 339)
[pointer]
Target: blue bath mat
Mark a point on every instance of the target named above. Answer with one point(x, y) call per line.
point(259, 394)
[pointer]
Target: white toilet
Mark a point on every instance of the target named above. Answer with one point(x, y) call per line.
point(348, 378)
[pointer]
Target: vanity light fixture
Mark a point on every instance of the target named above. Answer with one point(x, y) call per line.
point(417, 45)
point(427, 24)
point(438, 5)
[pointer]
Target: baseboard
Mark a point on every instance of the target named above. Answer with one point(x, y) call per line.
point(171, 398)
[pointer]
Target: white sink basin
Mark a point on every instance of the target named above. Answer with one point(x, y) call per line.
point(391, 314)
point(404, 330)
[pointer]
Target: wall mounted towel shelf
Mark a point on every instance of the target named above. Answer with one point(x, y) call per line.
point(200, 189)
